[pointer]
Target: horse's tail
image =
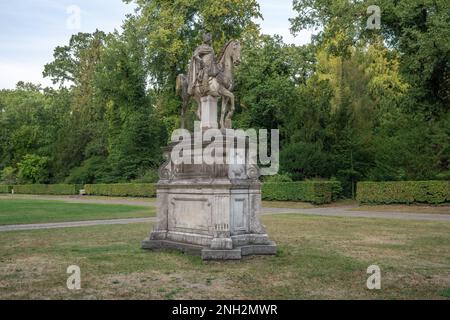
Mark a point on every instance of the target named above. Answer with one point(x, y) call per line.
point(181, 79)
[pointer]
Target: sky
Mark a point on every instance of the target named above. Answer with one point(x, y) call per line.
point(31, 29)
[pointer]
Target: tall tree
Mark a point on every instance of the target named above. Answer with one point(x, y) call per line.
point(418, 29)
point(135, 134)
point(75, 66)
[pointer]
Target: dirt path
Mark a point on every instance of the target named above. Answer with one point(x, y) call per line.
point(351, 213)
point(75, 224)
point(343, 211)
point(86, 199)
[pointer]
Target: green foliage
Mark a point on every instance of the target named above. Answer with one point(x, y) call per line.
point(121, 190)
point(47, 189)
point(33, 169)
point(432, 192)
point(418, 29)
point(24, 211)
point(88, 172)
point(135, 134)
point(266, 80)
point(172, 29)
point(8, 175)
point(317, 192)
point(5, 188)
point(305, 160)
point(337, 191)
point(279, 178)
point(151, 176)
point(74, 63)
point(28, 123)
point(355, 104)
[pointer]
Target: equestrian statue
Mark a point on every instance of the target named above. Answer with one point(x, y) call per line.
point(208, 76)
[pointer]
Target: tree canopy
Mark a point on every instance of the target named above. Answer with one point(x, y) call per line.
point(355, 104)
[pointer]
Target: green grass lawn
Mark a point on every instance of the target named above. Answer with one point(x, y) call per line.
point(319, 258)
point(37, 211)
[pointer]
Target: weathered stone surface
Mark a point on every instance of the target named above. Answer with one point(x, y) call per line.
point(171, 245)
point(268, 249)
point(210, 76)
point(233, 254)
point(209, 253)
point(214, 208)
point(209, 112)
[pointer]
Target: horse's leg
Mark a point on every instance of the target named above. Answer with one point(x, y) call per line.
point(183, 113)
point(230, 113)
point(229, 96)
point(199, 107)
point(224, 110)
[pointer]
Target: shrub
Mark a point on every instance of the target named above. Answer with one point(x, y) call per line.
point(47, 189)
point(33, 169)
point(87, 172)
point(336, 189)
point(5, 188)
point(8, 175)
point(278, 178)
point(122, 190)
point(407, 192)
point(150, 176)
point(317, 192)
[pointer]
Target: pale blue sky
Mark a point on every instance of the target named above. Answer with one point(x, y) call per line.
point(31, 29)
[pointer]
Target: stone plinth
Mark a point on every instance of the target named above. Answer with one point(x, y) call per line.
point(209, 112)
point(210, 209)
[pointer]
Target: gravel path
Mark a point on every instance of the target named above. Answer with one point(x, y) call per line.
point(347, 211)
point(84, 199)
point(41, 226)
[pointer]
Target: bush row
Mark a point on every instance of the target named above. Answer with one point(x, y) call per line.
point(317, 192)
point(5, 188)
point(404, 192)
point(122, 190)
point(47, 189)
point(310, 191)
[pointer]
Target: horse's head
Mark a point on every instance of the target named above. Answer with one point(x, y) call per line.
point(236, 52)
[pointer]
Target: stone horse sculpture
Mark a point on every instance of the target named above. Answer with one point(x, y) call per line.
point(221, 85)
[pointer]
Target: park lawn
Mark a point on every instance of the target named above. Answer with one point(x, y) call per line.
point(307, 205)
point(287, 205)
point(416, 208)
point(319, 258)
point(37, 211)
point(75, 199)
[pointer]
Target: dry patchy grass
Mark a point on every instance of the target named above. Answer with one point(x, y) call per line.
point(442, 209)
point(319, 258)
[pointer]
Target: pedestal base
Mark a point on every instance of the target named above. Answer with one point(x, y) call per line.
point(210, 254)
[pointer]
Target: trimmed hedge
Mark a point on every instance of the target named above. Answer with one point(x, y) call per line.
point(47, 189)
point(317, 192)
point(122, 190)
point(5, 188)
point(406, 192)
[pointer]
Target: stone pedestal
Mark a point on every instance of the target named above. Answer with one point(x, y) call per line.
point(218, 221)
point(209, 112)
point(211, 209)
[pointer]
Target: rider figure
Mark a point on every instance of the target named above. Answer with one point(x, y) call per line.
point(204, 65)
